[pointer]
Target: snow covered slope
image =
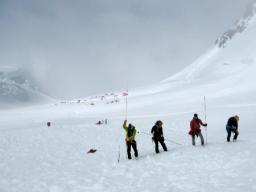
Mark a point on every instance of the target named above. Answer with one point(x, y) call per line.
point(227, 68)
point(226, 61)
point(38, 158)
point(16, 89)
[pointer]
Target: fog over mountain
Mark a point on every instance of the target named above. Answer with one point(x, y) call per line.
point(17, 89)
point(67, 45)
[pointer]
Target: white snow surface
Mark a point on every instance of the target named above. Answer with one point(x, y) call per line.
point(37, 158)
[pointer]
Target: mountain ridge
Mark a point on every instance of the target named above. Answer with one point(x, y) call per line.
point(17, 88)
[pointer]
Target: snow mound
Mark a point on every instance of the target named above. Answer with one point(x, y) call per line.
point(17, 88)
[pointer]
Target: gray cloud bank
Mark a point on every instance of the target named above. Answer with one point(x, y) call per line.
point(82, 47)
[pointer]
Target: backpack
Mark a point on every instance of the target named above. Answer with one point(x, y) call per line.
point(130, 131)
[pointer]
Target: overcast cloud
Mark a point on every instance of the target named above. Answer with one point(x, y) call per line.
point(82, 47)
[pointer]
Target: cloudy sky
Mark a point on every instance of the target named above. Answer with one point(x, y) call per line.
point(82, 47)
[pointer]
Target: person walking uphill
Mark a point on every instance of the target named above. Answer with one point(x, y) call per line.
point(232, 126)
point(195, 130)
point(157, 132)
point(130, 139)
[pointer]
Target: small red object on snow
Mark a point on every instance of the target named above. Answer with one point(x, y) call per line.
point(48, 124)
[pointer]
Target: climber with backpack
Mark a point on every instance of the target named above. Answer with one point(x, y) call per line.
point(158, 137)
point(232, 126)
point(195, 130)
point(130, 139)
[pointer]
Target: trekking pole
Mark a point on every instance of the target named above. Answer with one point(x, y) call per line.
point(205, 115)
point(118, 155)
point(165, 139)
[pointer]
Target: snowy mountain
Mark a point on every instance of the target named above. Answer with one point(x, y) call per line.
point(230, 66)
point(239, 26)
point(38, 157)
point(17, 88)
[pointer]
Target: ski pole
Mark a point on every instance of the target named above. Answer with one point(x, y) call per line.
point(165, 139)
point(205, 115)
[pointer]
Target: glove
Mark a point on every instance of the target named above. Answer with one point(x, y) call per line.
point(205, 124)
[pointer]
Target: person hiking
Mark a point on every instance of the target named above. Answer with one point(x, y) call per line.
point(232, 126)
point(130, 139)
point(195, 130)
point(157, 132)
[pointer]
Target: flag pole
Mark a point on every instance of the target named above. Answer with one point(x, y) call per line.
point(205, 117)
point(126, 104)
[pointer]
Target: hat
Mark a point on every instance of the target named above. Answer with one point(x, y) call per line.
point(159, 123)
point(237, 117)
point(195, 115)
